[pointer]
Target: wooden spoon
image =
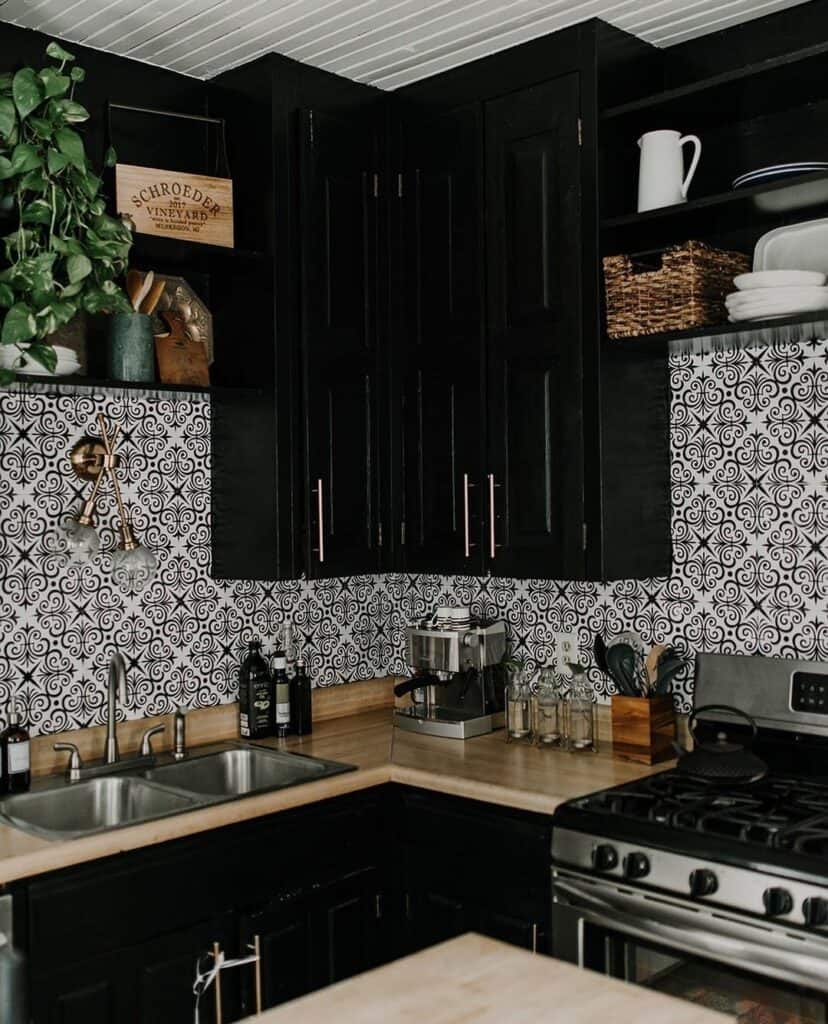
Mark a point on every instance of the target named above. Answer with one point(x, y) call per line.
point(143, 291)
point(153, 297)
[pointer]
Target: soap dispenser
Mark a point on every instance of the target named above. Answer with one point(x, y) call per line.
point(15, 763)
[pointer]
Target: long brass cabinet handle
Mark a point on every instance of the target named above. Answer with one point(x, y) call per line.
point(320, 516)
point(466, 538)
point(217, 961)
point(534, 938)
point(257, 952)
point(492, 540)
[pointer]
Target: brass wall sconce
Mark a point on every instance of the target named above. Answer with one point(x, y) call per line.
point(94, 459)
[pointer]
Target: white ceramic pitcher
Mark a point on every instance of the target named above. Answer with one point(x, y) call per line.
point(661, 178)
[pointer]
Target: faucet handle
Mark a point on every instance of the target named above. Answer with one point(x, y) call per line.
point(73, 769)
point(146, 739)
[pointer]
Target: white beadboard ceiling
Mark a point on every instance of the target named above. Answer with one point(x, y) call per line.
point(387, 43)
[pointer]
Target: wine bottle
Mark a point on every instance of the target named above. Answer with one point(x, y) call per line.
point(255, 695)
point(281, 691)
point(301, 714)
point(15, 762)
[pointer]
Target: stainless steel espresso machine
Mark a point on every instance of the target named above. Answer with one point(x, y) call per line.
point(457, 684)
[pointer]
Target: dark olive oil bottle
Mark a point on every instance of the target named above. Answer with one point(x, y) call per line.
point(255, 695)
point(301, 715)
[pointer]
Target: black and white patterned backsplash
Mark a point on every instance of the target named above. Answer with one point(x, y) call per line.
point(750, 536)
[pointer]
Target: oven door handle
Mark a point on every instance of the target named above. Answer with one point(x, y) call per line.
point(659, 922)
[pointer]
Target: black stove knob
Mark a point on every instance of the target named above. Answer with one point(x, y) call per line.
point(703, 882)
point(636, 865)
point(777, 902)
point(815, 911)
point(604, 857)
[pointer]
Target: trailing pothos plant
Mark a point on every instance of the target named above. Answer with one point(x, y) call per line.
point(65, 252)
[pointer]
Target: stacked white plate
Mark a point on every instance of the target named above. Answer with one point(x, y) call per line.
point(776, 293)
point(11, 358)
point(776, 172)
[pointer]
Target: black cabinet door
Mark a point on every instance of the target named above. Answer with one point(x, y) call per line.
point(444, 341)
point(347, 914)
point(533, 487)
point(437, 905)
point(339, 252)
point(94, 992)
point(283, 932)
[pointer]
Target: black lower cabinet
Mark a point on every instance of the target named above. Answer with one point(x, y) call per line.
point(326, 892)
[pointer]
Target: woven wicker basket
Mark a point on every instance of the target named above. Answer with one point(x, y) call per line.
point(686, 289)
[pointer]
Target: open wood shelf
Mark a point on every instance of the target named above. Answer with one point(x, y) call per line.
point(759, 88)
point(802, 327)
point(173, 391)
point(733, 198)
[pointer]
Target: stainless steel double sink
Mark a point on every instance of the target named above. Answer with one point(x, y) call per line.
point(71, 810)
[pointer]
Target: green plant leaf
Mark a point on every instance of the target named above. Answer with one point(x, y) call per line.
point(71, 145)
point(44, 354)
point(6, 169)
point(19, 325)
point(27, 92)
point(56, 52)
point(69, 291)
point(78, 267)
point(54, 83)
point(43, 128)
point(6, 295)
point(8, 116)
point(6, 79)
point(72, 112)
point(34, 181)
point(25, 158)
point(37, 212)
point(110, 157)
point(7, 377)
point(55, 161)
point(77, 74)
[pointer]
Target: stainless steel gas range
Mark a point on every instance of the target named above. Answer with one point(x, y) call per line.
point(713, 893)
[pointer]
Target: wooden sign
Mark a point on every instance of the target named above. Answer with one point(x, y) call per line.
point(190, 207)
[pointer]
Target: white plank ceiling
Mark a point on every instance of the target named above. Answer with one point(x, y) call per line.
point(387, 43)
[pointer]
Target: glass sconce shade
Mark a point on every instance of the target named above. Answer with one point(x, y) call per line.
point(133, 568)
point(77, 541)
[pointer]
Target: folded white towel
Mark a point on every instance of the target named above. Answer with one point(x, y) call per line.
point(779, 279)
point(808, 298)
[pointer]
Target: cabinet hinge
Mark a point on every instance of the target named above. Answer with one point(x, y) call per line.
point(378, 905)
point(580, 132)
point(399, 185)
point(584, 536)
point(376, 185)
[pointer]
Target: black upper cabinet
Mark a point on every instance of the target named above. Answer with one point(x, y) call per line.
point(533, 415)
point(339, 254)
point(442, 326)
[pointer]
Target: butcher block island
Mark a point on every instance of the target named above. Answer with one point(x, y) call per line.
point(475, 980)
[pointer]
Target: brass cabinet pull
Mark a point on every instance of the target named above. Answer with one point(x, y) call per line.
point(534, 938)
point(467, 548)
point(257, 952)
point(320, 512)
point(492, 544)
point(217, 961)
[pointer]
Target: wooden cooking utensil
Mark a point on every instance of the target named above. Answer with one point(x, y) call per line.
point(180, 359)
point(134, 279)
point(142, 291)
point(153, 297)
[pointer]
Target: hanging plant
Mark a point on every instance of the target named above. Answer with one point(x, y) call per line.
point(65, 252)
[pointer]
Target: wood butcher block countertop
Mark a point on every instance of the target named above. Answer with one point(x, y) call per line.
point(474, 980)
point(485, 768)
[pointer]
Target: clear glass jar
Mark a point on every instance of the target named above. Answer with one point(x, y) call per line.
point(549, 711)
point(582, 722)
point(518, 707)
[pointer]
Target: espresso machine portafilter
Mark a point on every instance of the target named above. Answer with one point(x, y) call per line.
point(457, 682)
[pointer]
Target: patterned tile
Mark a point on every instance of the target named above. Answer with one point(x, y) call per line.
point(750, 535)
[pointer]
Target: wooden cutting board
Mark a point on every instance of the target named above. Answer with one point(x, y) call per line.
point(180, 359)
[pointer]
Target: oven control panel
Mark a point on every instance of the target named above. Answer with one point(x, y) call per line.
point(809, 692)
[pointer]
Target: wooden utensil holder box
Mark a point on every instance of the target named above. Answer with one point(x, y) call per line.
point(643, 729)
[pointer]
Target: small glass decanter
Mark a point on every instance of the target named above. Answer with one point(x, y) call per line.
point(548, 711)
point(518, 707)
point(582, 724)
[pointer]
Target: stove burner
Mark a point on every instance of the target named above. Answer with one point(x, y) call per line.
point(780, 812)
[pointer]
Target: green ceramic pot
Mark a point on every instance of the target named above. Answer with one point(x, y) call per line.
point(131, 347)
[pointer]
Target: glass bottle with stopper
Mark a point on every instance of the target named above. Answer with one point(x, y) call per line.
point(518, 705)
point(582, 725)
point(549, 711)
